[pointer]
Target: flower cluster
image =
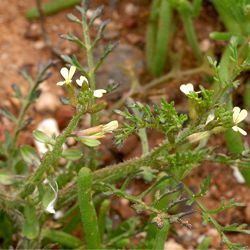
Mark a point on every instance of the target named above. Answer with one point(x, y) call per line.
point(68, 74)
point(238, 114)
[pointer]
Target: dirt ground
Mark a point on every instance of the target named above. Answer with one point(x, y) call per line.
point(22, 46)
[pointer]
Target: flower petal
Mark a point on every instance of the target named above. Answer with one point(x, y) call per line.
point(50, 208)
point(190, 87)
point(242, 116)
point(81, 80)
point(183, 89)
point(60, 83)
point(236, 112)
point(210, 118)
point(109, 127)
point(238, 176)
point(72, 71)
point(240, 130)
point(187, 88)
point(64, 72)
point(99, 93)
point(235, 128)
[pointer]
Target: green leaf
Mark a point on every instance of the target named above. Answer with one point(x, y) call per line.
point(31, 224)
point(62, 238)
point(161, 235)
point(205, 185)
point(41, 137)
point(73, 61)
point(89, 142)
point(73, 18)
point(205, 243)
point(97, 13)
point(17, 90)
point(72, 154)
point(29, 155)
point(5, 112)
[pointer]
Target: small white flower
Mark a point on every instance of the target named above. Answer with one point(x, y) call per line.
point(67, 75)
point(210, 118)
point(238, 116)
point(58, 215)
point(50, 208)
point(187, 88)
point(109, 127)
point(99, 93)
point(81, 80)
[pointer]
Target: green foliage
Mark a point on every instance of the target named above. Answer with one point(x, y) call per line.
point(161, 28)
point(164, 118)
point(158, 36)
point(37, 186)
point(87, 209)
point(51, 8)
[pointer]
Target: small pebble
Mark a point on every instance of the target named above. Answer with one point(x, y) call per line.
point(131, 9)
point(172, 245)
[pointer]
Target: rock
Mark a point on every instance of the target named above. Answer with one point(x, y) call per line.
point(216, 240)
point(131, 9)
point(49, 127)
point(114, 68)
point(33, 32)
point(205, 45)
point(134, 39)
point(39, 45)
point(111, 34)
point(172, 245)
point(47, 102)
point(111, 31)
point(63, 115)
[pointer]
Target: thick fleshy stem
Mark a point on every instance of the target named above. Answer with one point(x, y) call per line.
point(87, 209)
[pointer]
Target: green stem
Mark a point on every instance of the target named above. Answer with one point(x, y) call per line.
point(92, 82)
point(50, 159)
point(87, 209)
point(212, 220)
point(62, 238)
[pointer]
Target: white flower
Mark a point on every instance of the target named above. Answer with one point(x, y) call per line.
point(238, 116)
point(67, 75)
point(50, 208)
point(109, 127)
point(187, 88)
point(99, 93)
point(81, 80)
point(210, 118)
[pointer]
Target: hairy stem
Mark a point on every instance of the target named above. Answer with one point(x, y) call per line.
point(91, 66)
point(50, 159)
